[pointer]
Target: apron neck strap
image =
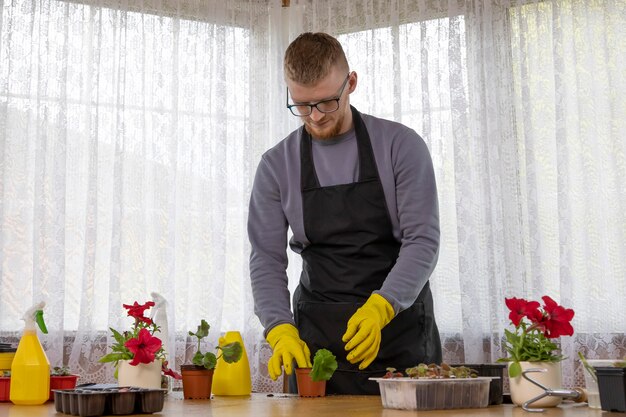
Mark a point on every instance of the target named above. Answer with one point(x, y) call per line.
point(367, 163)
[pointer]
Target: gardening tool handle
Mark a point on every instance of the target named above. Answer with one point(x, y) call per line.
point(576, 394)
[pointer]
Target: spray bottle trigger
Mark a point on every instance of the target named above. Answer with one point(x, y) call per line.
point(40, 322)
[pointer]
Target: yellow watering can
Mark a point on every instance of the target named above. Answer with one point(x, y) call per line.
point(232, 378)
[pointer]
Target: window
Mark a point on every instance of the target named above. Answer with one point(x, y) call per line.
point(126, 130)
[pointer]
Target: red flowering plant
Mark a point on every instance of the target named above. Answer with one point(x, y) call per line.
point(535, 330)
point(139, 345)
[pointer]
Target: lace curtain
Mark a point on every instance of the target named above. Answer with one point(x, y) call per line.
point(128, 146)
point(130, 132)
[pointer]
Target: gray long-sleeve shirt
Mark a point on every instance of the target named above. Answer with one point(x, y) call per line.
point(406, 172)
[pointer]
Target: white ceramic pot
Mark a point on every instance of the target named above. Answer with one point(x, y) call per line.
point(523, 390)
point(143, 375)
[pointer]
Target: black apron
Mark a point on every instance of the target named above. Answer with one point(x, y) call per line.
point(351, 251)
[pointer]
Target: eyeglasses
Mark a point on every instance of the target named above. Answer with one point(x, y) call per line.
point(325, 106)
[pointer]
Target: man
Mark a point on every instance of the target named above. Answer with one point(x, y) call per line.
point(359, 195)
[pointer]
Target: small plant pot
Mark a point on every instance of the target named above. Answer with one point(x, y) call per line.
point(62, 382)
point(307, 387)
point(197, 381)
point(5, 388)
point(7, 353)
point(612, 387)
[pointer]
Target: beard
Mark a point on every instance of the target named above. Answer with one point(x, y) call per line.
point(327, 132)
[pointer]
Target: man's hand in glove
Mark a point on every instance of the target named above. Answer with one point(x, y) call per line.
point(364, 330)
point(286, 346)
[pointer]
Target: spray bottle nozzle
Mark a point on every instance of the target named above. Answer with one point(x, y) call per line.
point(40, 322)
point(35, 315)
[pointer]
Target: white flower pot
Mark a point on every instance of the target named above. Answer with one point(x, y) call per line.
point(143, 375)
point(523, 390)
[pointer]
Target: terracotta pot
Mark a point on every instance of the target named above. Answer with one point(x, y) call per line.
point(62, 382)
point(523, 390)
point(143, 375)
point(197, 381)
point(307, 387)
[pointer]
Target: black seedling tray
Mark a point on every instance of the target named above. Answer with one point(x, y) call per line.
point(94, 401)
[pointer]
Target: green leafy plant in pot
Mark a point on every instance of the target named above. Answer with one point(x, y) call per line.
point(198, 376)
point(312, 381)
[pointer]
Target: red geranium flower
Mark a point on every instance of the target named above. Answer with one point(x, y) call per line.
point(143, 347)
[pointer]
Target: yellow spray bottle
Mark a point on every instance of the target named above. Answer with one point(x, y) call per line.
point(232, 378)
point(30, 371)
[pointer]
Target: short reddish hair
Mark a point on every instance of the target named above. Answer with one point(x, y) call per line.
point(310, 57)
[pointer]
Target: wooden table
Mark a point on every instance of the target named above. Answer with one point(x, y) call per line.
point(287, 405)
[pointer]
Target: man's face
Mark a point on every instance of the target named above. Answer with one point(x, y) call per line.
point(326, 125)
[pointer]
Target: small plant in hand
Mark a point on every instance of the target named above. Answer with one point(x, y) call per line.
point(139, 345)
point(230, 352)
point(535, 330)
point(324, 365)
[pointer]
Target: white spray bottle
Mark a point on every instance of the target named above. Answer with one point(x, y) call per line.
point(30, 370)
point(159, 316)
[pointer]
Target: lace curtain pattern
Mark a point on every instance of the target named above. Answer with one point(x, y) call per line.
point(130, 132)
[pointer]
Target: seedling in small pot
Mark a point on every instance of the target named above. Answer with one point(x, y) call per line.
point(231, 352)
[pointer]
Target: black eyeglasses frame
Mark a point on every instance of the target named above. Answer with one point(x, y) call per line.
point(316, 104)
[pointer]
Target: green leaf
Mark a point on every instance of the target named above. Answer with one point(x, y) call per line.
point(203, 329)
point(231, 352)
point(589, 368)
point(324, 365)
point(118, 336)
point(112, 357)
point(515, 369)
point(209, 360)
point(197, 359)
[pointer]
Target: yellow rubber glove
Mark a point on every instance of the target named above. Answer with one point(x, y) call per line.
point(286, 346)
point(364, 327)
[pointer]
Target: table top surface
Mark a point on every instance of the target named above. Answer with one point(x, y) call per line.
point(261, 405)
